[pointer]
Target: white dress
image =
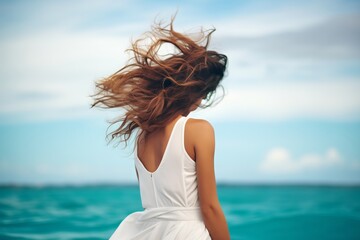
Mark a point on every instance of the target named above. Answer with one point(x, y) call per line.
point(169, 197)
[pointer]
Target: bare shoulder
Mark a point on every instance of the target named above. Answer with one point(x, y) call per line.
point(200, 128)
point(197, 133)
point(197, 125)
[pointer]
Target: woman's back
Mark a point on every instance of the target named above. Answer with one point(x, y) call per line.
point(173, 182)
point(168, 193)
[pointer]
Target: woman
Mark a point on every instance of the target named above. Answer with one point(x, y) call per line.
point(174, 154)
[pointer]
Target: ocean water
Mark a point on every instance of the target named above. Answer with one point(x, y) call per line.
point(252, 212)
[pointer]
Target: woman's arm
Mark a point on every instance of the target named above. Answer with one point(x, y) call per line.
point(204, 143)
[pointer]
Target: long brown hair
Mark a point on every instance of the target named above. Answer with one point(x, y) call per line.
point(154, 88)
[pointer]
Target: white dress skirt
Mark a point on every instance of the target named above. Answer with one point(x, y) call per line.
point(169, 197)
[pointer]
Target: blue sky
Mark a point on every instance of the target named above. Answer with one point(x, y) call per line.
point(291, 112)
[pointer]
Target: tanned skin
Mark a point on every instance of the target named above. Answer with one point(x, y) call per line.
point(200, 145)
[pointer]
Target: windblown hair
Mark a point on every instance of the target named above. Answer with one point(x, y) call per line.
point(154, 88)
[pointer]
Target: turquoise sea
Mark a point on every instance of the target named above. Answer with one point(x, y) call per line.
point(252, 211)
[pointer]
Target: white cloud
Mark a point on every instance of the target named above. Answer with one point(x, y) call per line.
point(294, 73)
point(279, 160)
point(281, 101)
point(49, 74)
point(336, 38)
point(275, 21)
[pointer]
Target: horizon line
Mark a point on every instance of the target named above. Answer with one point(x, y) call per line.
point(220, 184)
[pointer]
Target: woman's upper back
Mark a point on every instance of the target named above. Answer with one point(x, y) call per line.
point(165, 164)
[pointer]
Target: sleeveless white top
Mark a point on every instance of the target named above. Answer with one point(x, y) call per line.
point(169, 197)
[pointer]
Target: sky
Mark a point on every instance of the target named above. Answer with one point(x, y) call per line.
point(291, 111)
